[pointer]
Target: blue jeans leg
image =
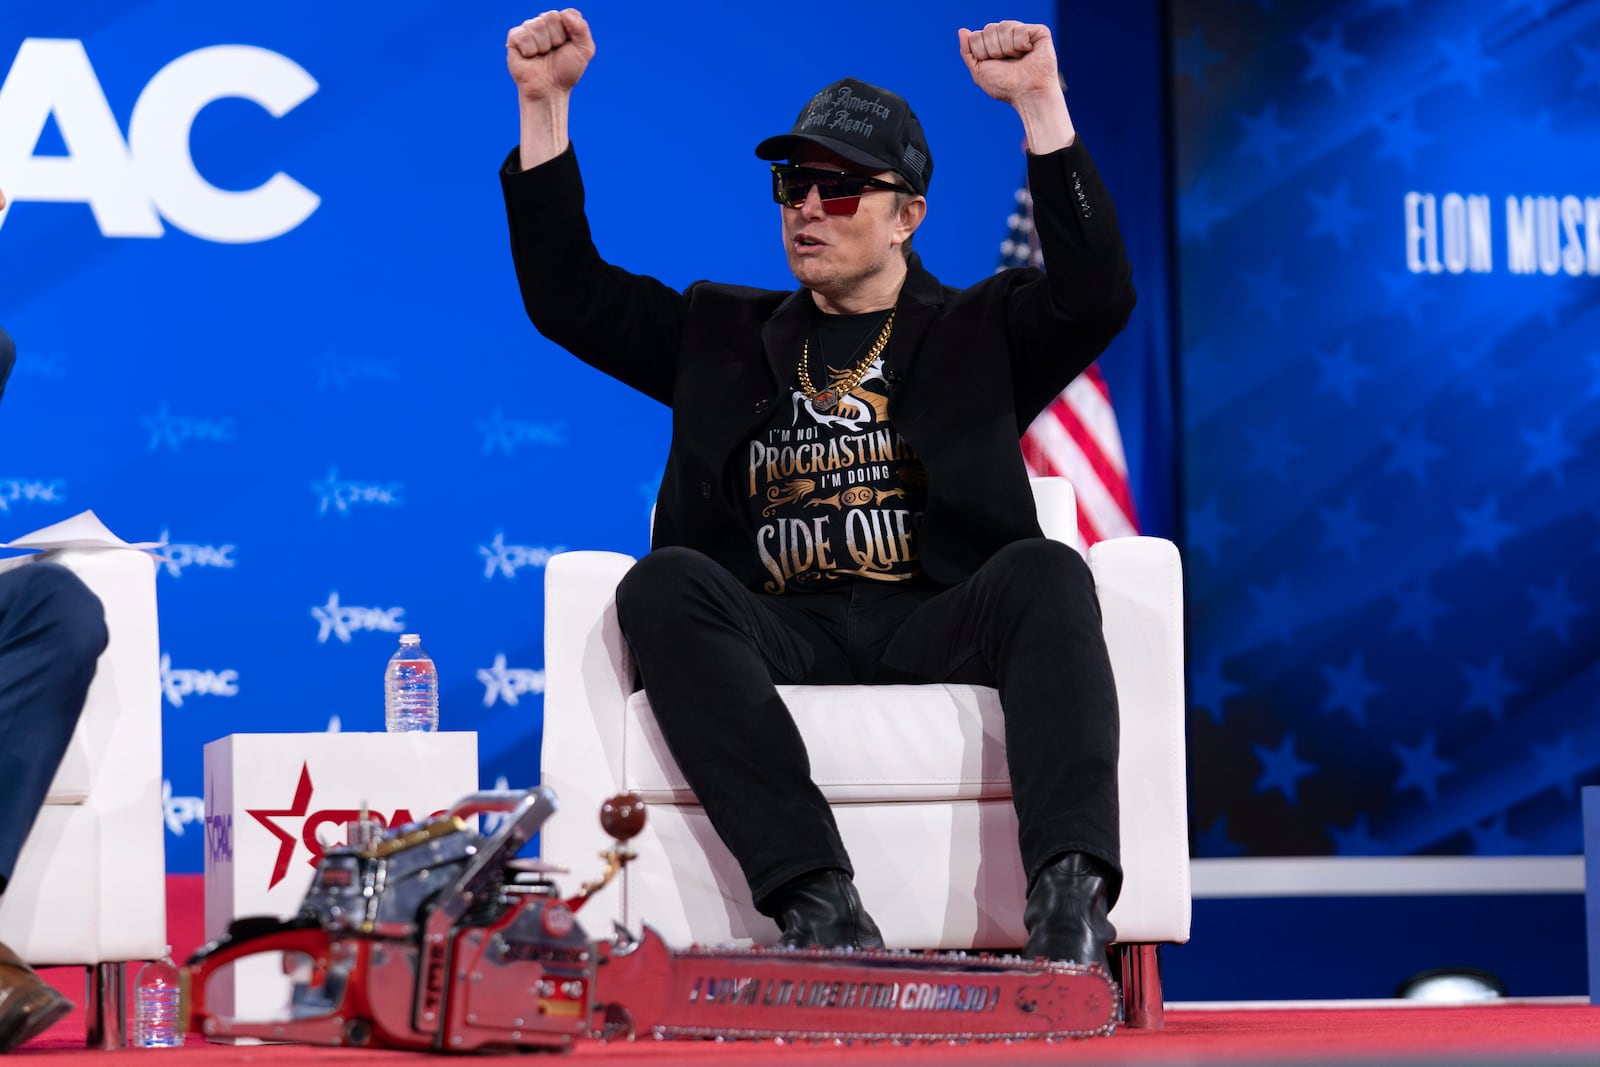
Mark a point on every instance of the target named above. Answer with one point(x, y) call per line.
point(52, 631)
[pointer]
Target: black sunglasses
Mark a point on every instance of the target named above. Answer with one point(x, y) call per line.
point(840, 190)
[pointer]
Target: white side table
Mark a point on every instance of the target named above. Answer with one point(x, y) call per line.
point(275, 801)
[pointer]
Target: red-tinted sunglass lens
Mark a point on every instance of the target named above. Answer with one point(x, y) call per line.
point(840, 196)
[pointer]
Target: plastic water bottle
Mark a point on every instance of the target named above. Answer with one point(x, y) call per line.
point(411, 688)
point(155, 1004)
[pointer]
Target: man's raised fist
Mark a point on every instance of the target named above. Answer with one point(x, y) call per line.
point(547, 55)
point(1011, 60)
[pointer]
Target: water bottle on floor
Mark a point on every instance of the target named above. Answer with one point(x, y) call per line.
point(155, 1004)
point(411, 689)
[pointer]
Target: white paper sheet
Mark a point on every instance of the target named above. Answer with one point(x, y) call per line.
point(83, 530)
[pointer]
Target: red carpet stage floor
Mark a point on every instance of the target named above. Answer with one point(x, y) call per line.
point(1546, 1032)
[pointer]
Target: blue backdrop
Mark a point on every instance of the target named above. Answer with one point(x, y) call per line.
point(1115, 62)
point(257, 274)
point(287, 337)
point(1389, 216)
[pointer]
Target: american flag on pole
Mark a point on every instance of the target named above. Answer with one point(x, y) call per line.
point(1076, 435)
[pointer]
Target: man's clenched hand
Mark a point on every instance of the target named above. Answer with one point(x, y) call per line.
point(1011, 61)
point(547, 55)
point(1016, 62)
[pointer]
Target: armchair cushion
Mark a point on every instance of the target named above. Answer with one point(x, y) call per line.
point(866, 743)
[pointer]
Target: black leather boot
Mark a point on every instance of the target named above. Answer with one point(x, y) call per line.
point(1066, 912)
point(823, 910)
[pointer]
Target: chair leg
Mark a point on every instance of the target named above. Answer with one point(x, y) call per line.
point(1141, 987)
point(105, 1008)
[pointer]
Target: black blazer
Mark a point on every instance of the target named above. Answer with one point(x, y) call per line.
point(967, 369)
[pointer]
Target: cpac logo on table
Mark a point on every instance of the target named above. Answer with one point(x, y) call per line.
point(132, 185)
point(316, 822)
point(184, 811)
point(219, 833)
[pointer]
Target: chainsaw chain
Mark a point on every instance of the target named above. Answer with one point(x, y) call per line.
point(900, 962)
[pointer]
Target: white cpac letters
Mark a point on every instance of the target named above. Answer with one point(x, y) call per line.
point(130, 187)
point(55, 76)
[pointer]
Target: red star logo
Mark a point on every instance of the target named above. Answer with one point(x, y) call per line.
point(286, 840)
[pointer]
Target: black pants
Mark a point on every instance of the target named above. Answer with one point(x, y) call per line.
point(52, 630)
point(709, 650)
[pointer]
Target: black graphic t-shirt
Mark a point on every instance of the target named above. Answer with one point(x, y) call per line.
point(835, 494)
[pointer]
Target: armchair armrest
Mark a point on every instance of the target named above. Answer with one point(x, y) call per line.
point(90, 883)
point(588, 678)
point(1140, 585)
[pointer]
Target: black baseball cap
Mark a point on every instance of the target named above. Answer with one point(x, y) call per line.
point(864, 124)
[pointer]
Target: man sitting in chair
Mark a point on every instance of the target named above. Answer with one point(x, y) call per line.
point(52, 631)
point(845, 500)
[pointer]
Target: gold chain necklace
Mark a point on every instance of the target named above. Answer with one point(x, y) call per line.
point(825, 400)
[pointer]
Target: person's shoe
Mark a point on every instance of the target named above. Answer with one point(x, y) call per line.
point(28, 1004)
point(823, 910)
point(1066, 912)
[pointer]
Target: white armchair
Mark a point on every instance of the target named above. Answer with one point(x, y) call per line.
point(916, 775)
point(90, 884)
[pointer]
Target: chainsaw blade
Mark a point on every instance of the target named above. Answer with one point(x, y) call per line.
point(872, 995)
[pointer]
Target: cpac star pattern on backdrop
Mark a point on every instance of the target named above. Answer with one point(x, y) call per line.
point(320, 388)
point(1391, 400)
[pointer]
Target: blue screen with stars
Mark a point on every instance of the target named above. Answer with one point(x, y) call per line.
point(1388, 219)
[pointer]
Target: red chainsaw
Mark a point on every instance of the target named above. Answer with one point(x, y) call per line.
point(436, 937)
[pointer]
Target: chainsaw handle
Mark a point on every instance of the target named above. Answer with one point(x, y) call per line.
point(487, 801)
point(246, 938)
point(526, 811)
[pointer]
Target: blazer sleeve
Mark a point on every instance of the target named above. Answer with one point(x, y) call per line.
point(1060, 321)
point(627, 325)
